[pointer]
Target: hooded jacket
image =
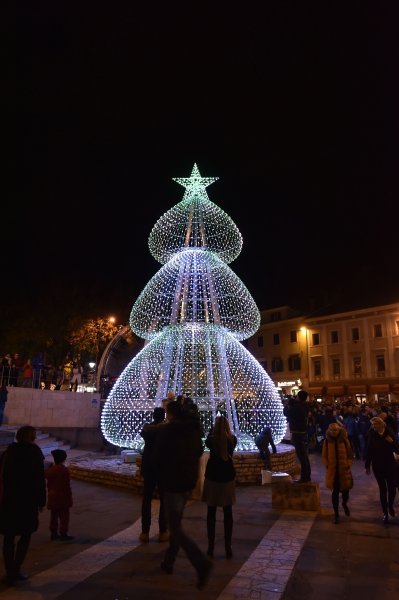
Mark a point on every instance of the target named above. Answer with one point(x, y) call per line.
point(337, 456)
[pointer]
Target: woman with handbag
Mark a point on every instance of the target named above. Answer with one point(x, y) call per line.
point(219, 484)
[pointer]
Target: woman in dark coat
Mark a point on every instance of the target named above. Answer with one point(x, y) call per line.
point(219, 484)
point(381, 444)
point(23, 495)
point(337, 457)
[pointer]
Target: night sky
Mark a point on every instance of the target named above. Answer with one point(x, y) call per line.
point(294, 106)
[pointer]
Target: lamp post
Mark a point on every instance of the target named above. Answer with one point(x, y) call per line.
point(304, 331)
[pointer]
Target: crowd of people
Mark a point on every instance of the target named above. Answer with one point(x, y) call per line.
point(343, 433)
point(37, 373)
point(174, 443)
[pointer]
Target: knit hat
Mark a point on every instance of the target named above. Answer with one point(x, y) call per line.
point(59, 455)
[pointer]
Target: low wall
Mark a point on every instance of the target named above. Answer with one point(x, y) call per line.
point(48, 408)
point(113, 473)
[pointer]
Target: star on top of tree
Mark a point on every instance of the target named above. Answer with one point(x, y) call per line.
point(195, 184)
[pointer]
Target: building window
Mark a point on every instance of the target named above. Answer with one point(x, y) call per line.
point(380, 358)
point(293, 336)
point(277, 365)
point(334, 337)
point(315, 339)
point(275, 316)
point(276, 339)
point(357, 365)
point(264, 364)
point(378, 330)
point(260, 341)
point(294, 363)
point(336, 366)
point(317, 367)
point(355, 334)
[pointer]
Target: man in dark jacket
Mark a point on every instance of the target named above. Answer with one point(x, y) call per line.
point(176, 455)
point(296, 412)
point(23, 496)
point(149, 473)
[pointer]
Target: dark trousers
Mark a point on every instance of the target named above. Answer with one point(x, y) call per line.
point(150, 483)
point(60, 515)
point(14, 554)
point(335, 497)
point(174, 508)
point(299, 442)
point(387, 486)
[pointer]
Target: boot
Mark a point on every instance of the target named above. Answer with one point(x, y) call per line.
point(228, 533)
point(210, 526)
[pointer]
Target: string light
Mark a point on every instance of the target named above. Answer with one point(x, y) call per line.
point(194, 312)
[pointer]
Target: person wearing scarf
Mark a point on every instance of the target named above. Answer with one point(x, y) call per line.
point(337, 457)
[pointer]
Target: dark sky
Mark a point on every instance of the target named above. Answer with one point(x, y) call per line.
point(294, 106)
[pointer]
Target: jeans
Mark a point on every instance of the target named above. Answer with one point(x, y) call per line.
point(174, 503)
point(299, 441)
point(387, 489)
point(150, 483)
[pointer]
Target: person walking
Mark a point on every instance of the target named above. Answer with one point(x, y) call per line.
point(381, 444)
point(337, 457)
point(59, 496)
point(23, 496)
point(262, 442)
point(177, 455)
point(219, 484)
point(150, 476)
point(297, 415)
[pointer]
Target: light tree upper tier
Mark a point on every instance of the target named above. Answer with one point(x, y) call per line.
point(195, 239)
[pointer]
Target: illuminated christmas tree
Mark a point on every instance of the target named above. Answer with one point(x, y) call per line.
point(193, 313)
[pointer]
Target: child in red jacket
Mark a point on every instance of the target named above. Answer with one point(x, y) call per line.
point(59, 496)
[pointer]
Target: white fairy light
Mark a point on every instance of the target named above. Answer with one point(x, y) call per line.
point(194, 311)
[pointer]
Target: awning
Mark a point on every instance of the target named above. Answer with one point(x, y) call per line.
point(336, 389)
point(380, 388)
point(356, 389)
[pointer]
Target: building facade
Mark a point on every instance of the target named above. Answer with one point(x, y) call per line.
point(351, 355)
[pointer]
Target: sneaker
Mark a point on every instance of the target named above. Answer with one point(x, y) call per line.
point(144, 537)
point(203, 574)
point(166, 567)
point(346, 509)
point(66, 538)
point(54, 536)
point(21, 576)
point(163, 536)
point(391, 511)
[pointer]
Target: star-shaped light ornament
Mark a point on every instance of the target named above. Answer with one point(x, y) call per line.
point(195, 184)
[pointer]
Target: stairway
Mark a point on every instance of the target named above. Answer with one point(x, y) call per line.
point(45, 441)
